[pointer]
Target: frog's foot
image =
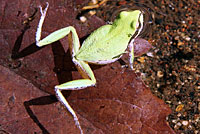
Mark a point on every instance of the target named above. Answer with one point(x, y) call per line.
point(66, 104)
point(39, 28)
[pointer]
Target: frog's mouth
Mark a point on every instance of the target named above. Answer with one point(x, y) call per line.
point(147, 17)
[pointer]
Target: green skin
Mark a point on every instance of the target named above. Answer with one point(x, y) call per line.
point(105, 45)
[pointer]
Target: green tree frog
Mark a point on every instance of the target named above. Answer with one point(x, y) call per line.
point(105, 45)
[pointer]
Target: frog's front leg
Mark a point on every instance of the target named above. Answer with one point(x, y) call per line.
point(131, 53)
point(131, 44)
point(55, 36)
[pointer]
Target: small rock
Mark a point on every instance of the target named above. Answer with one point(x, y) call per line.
point(83, 19)
point(160, 74)
point(180, 43)
point(187, 38)
point(179, 115)
point(92, 12)
point(176, 38)
point(150, 54)
point(174, 121)
point(141, 59)
point(179, 107)
point(185, 123)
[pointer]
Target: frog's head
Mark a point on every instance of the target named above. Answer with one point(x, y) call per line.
point(131, 20)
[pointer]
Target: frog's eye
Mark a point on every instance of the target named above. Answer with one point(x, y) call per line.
point(138, 24)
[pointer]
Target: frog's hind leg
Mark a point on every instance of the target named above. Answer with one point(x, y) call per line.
point(86, 73)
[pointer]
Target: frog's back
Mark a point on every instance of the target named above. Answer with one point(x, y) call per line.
point(105, 46)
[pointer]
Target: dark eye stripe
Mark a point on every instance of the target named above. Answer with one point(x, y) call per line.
point(139, 29)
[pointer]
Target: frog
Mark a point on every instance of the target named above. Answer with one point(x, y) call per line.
point(105, 45)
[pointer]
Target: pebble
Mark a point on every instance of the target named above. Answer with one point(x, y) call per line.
point(180, 43)
point(92, 12)
point(185, 123)
point(179, 115)
point(187, 38)
point(83, 19)
point(160, 74)
point(157, 85)
point(178, 124)
point(141, 59)
point(174, 121)
point(150, 54)
point(176, 38)
point(94, 2)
